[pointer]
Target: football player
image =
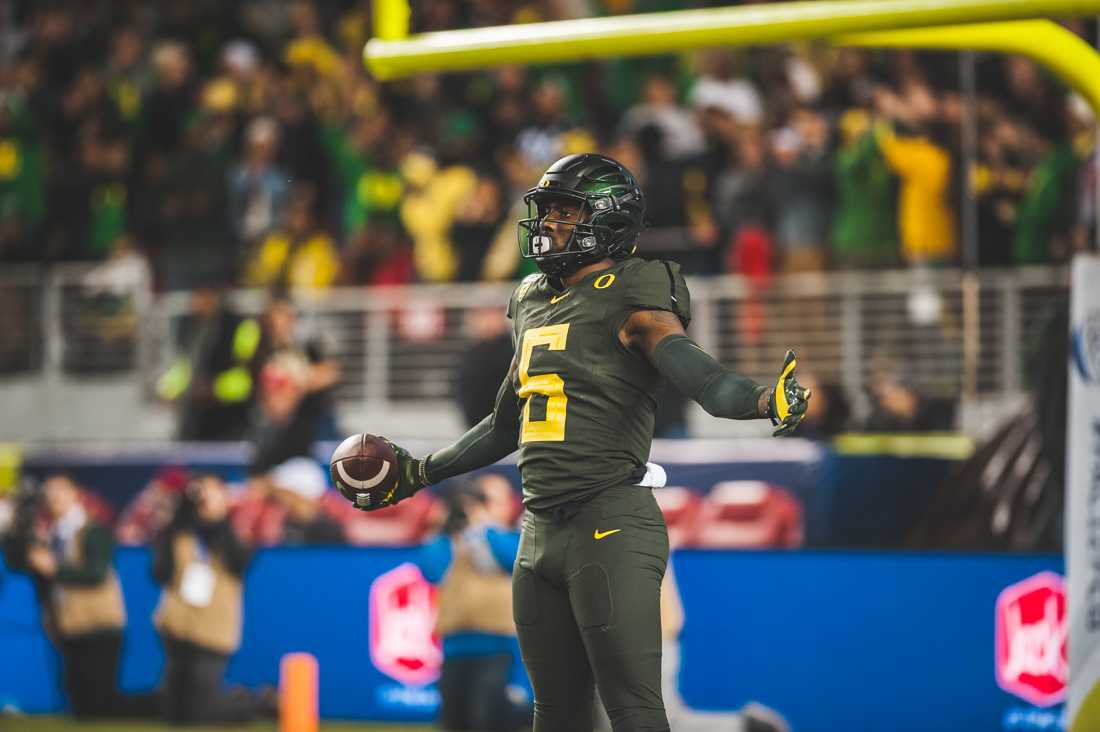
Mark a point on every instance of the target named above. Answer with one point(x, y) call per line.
point(594, 333)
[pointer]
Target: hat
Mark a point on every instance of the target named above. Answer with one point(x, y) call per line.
point(240, 55)
point(171, 478)
point(300, 475)
point(736, 98)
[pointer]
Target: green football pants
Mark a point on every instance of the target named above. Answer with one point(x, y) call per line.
point(586, 596)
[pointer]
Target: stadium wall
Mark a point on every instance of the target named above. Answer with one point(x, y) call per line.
point(816, 635)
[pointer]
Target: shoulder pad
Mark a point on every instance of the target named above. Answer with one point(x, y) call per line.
point(657, 285)
point(521, 290)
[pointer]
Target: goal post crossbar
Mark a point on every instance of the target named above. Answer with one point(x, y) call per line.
point(978, 24)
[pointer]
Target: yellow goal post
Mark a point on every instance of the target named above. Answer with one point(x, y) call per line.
point(947, 24)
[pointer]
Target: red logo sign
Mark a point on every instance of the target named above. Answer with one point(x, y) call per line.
point(403, 644)
point(1031, 655)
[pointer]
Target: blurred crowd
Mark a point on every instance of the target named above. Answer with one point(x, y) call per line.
point(243, 143)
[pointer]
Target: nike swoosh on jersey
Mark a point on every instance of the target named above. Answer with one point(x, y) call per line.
point(555, 299)
point(597, 534)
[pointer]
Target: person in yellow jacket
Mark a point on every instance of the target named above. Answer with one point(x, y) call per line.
point(926, 222)
point(213, 380)
point(200, 562)
point(299, 255)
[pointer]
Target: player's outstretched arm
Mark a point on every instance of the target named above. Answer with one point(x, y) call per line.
point(660, 335)
point(491, 439)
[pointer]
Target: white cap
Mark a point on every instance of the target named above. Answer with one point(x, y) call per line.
point(300, 475)
point(737, 97)
point(240, 55)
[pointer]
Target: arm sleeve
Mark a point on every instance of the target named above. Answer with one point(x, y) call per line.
point(434, 559)
point(491, 439)
point(97, 559)
point(900, 153)
point(15, 545)
point(504, 546)
point(235, 555)
point(721, 392)
point(164, 562)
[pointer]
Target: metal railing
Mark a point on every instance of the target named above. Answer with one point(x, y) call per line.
point(73, 321)
point(946, 332)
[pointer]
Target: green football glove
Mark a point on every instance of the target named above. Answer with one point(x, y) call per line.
point(411, 477)
point(787, 401)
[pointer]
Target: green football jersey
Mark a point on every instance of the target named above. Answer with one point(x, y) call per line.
point(587, 402)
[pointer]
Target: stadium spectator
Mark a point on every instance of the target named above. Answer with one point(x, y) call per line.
point(297, 383)
point(508, 107)
point(166, 107)
point(503, 260)
point(181, 205)
point(69, 556)
point(471, 563)
point(864, 229)
point(366, 190)
point(830, 413)
point(257, 186)
point(111, 295)
point(542, 140)
point(22, 165)
point(124, 273)
point(680, 134)
point(742, 202)
point(298, 255)
point(897, 405)
point(720, 88)
point(427, 211)
point(800, 191)
point(1046, 209)
point(487, 359)
point(477, 217)
point(153, 508)
point(914, 146)
point(200, 563)
point(667, 182)
point(213, 383)
point(284, 507)
point(997, 182)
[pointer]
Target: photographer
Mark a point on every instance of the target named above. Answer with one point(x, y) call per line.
point(470, 564)
point(200, 562)
point(69, 555)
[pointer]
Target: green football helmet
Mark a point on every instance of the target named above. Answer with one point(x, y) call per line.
point(611, 213)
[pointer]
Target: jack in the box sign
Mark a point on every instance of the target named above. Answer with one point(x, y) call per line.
point(403, 643)
point(1032, 659)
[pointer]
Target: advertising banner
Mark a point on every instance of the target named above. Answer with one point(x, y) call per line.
point(1083, 496)
point(852, 641)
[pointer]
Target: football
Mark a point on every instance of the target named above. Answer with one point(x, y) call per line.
point(364, 469)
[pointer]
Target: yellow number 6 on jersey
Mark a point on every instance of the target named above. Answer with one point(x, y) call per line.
point(552, 386)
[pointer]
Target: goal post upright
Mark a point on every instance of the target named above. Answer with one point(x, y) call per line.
point(390, 19)
point(1043, 41)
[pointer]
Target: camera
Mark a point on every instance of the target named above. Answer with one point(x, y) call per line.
point(29, 502)
point(187, 510)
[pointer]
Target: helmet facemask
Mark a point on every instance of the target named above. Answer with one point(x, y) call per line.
point(590, 234)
